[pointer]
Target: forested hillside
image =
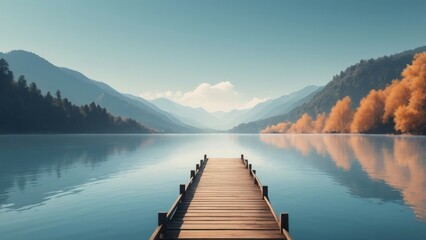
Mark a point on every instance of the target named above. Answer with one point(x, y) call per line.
point(23, 109)
point(400, 107)
point(81, 90)
point(356, 82)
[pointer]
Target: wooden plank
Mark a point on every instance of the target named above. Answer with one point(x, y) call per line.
point(223, 234)
point(221, 210)
point(220, 218)
point(241, 221)
point(223, 226)
point(250, 203)
point(189, 208)
point(224, 214)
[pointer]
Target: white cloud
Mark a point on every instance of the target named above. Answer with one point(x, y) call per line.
point(167, 94)
point(219, 97)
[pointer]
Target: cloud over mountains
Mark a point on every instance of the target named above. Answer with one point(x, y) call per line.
point(219, 97)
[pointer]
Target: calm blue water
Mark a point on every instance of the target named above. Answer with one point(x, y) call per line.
point(112, 186)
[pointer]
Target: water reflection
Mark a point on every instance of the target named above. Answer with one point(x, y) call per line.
point(34, 168)
point(397, 161)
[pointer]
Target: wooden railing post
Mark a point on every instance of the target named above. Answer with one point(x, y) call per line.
point(265, 191)
point(242, 157)
point(254, 171)
point(250, 168)
point(284, 222)
point(162, 218)
point(197, 166)
point(246, 162)
point(192, 173)
point(201, 162)
point(182, 189)
point(205, 157)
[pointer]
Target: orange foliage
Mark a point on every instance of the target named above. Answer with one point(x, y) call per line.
point(369, 112)
point(319, 123)
point(412, 117)
point(397, 94)
point(303, 125)
point(340, 117)
point(278, 128)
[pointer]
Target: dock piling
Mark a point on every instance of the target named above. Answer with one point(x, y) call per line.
point(192, 173)
point(265, 191)
point(182, 189)
point(162, 218)
point(284, 221)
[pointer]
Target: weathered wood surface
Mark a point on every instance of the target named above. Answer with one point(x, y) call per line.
point(223, 202)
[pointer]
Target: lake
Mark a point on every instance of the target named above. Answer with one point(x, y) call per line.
point(112, 186)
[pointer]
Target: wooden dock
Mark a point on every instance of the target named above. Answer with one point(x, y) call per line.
point(224, 199)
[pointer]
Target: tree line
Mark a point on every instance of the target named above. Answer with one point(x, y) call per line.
point(24, 109)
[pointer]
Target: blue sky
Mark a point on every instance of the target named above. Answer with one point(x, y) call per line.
point(245, 50)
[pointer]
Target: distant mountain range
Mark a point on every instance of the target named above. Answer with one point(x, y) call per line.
point(164, 115)
point(81, 90)
point(356, 81)
point(200, 118)
point(279, 105)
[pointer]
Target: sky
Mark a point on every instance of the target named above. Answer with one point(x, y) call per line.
point(215, 54)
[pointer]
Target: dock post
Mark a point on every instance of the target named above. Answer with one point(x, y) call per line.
point(205, 157)
point(254, 171)
point(246, 162)
point(242, 157)
point(201, 162)
point(192, 173)
point(182, 189)
point(162, 217)
point(265, 191)
point(250, 167)
point(284, 222)
point(197, 166)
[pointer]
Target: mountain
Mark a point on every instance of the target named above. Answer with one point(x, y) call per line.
point(81, 90)
point(356, 81)
point(231, 118)
point(197, 117)
point(221, 121)
point(279, 105)
point(25, 110)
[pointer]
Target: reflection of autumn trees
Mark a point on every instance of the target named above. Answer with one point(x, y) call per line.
point(398, 161)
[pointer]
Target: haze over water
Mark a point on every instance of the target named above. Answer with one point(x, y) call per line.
point(112, 186)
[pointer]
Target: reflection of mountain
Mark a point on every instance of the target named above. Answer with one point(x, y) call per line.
point(395, 162)
point(56, 163)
